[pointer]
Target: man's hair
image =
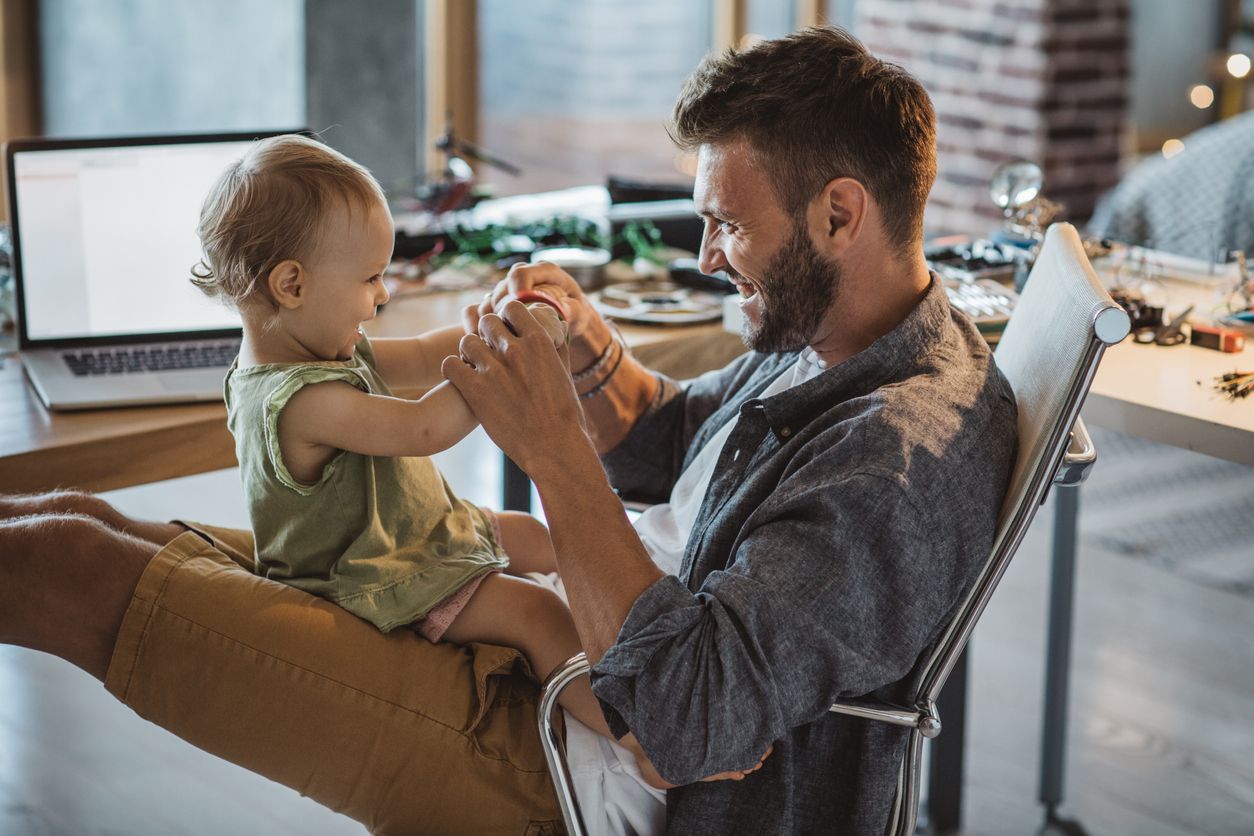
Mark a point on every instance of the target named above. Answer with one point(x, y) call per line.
point(270, 206)
point(815, 106)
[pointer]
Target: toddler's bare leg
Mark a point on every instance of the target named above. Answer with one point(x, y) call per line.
point(516, 612)
point(526, 540)
point(79, 503)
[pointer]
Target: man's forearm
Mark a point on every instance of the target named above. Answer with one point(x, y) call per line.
point(602, 562)
point(614, 389)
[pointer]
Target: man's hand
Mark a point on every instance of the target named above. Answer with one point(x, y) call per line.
point(518, 385)
point(653, 779)
point(470, 319)
point(740, 775)
point(589, 335)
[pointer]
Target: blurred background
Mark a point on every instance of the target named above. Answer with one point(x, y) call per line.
point(572, 93)
point(1140, 115)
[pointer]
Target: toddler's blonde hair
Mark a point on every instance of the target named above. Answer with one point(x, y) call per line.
point(270, 206)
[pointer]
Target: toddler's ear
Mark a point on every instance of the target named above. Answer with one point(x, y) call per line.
point(286, 283)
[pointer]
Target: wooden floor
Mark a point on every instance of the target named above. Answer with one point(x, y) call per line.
point(1162, 735)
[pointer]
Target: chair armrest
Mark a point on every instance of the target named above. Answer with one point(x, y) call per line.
point(1078, 459)
point(925, 719)
point(554, 748)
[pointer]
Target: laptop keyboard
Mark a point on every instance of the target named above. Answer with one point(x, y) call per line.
point(150, 358)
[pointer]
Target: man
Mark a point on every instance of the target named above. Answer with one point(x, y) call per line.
point(830, 497)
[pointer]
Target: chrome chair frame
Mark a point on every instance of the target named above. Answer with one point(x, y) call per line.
point(1068, 455)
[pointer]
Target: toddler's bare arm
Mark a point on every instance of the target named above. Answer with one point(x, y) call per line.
point(324, 418)
point(414, 362)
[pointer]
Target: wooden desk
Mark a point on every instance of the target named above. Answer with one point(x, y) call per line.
point(116, 448)
point(1165, 394)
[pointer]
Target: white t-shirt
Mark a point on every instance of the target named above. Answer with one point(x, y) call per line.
point(612, 796)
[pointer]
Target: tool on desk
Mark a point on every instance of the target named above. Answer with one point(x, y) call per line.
point(1235, 384)
point(1227, 340)
point(968, 259)
point(988, 303)
point(1171, 333)
point(104, 238)
point(1238, 310)
point(1142, 314)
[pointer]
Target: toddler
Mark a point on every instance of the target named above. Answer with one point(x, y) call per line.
point(344, 502)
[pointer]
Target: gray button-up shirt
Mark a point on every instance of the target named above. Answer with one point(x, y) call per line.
point(845, 519)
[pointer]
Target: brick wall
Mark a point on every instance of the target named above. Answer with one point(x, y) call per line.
point(1045, 80)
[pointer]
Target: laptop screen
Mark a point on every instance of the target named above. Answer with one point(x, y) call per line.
point(106, 239)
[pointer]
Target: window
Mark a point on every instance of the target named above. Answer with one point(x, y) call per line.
point(573, 92)
point(130, 68)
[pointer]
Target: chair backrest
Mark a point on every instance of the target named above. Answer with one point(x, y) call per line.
point(1049, 353)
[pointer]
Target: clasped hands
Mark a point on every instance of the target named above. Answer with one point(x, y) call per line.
point(513, 377)
point(518, 383)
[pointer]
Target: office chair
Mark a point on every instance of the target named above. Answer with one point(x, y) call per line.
point(1049, 352)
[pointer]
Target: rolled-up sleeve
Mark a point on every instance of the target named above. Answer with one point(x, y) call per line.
point(826, 596)
point(646, 463)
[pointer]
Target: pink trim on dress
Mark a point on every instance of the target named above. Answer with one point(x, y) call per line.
point(433, 625)
point(437, 620)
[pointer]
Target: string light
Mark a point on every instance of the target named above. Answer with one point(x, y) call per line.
point(1201, 96)
point(1172, 147)
point(1239, 65)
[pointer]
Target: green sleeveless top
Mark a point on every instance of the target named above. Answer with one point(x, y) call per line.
point(385, 538)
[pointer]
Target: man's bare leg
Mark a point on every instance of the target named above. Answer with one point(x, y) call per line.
point(66, 581)
point(78, 503)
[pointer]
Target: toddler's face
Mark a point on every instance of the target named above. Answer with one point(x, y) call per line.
point(345, 280)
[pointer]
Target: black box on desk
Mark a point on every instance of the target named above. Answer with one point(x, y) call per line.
point(676, 220)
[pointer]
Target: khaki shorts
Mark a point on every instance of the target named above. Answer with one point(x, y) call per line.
point(400, 734)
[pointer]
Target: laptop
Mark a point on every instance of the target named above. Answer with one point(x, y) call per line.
point(104, 239)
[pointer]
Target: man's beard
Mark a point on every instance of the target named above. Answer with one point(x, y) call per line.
point(802, 287)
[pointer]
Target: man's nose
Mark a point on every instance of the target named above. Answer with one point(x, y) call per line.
point(711, 257)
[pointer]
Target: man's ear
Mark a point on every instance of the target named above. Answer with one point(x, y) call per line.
point(839, 215)
point(286, 284)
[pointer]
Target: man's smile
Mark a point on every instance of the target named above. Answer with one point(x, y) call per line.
point(744, 287)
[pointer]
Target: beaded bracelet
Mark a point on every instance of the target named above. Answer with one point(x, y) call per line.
point(600, 363)
point(603, 382)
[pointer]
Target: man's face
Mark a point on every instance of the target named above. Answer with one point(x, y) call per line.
point(786, 286)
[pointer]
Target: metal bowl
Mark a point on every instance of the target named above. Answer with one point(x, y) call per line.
point(586, 265)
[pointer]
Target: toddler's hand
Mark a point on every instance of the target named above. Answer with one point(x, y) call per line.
point(552, 322)
point(546, 310)
point(550, 281)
